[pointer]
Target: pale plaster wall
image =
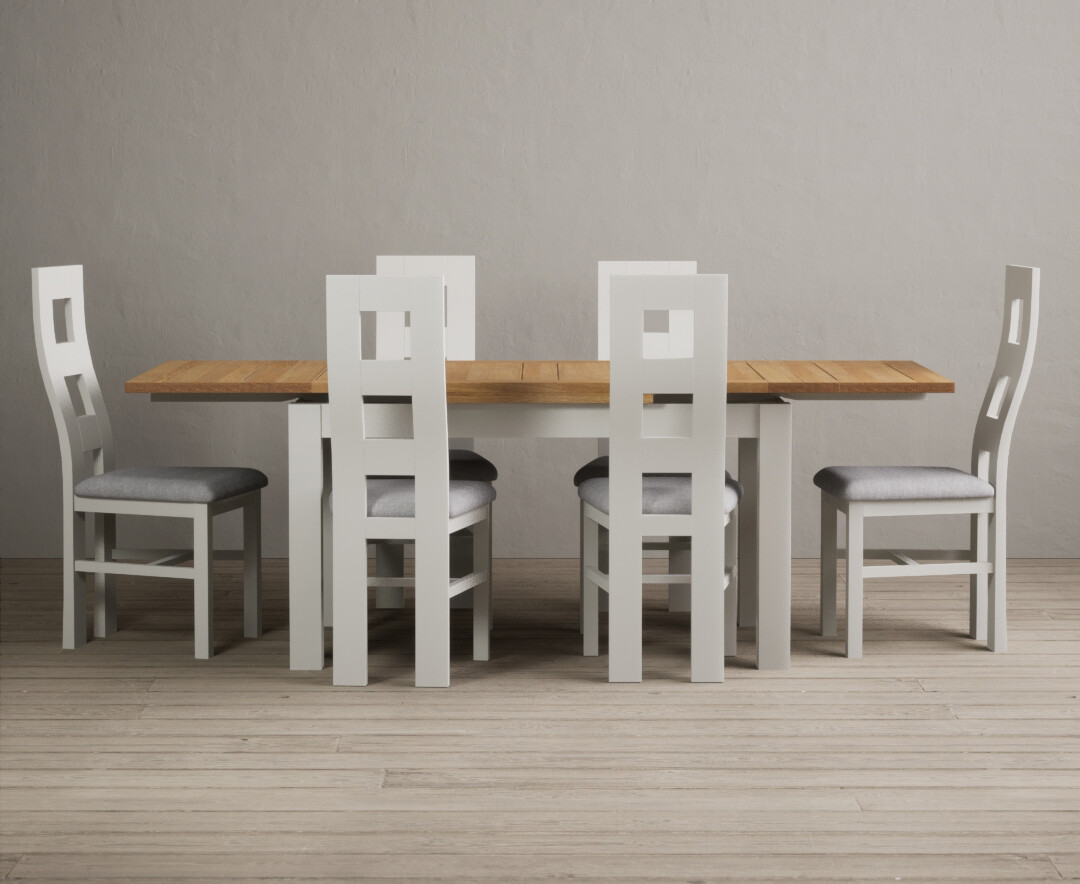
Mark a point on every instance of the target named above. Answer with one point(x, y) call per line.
point(862, 170)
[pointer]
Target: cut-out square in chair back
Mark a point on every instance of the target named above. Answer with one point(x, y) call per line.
point(63, 324)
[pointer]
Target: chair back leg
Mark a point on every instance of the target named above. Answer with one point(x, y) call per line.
point(481, 560)
point(679, 593)
point(461, 564)
point(389, 562)
point(104, 584)
point(590, 592)
point(731, 594)
point(995, 611)
point(327, 551)
point(74, 616)
point(854, 580)
point(253, 567)
point(977, 613)
point(203, 564)
point(828, 565)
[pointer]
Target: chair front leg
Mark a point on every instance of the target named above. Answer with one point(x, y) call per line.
point(978, 591)
point(854, 580)
point(481, 556)
point(581, 567)
point(327, 556)
point(350, 594)
point(828, 565)
point(491, 572)
point(74, 615)
point(253, 567)
point(203, 548)
point(104, 584)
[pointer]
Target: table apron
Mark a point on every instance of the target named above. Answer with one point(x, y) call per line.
point(545, 421)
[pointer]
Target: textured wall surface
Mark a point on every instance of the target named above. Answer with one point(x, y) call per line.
point(863, 171)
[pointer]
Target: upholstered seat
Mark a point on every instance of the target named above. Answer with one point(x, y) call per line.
point(901, 483)
point(598, 468)
point(471, 467)
point(660, 495)
point(396, 497)
point(172, 484)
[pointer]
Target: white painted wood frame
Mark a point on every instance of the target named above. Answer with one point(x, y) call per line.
point(676, 340)
point(639, 366)
point(393, 340)
point(417, 447)
point(86, 449)
point(984, 561)
point(765, 421)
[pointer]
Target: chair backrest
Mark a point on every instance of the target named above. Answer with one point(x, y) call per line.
point(676, 341)
point(1016, 352)
point(360, 452)
point(393, 339)
point(701, 374)
point(86, 441)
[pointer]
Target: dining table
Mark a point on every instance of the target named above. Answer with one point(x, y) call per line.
point(554, 399)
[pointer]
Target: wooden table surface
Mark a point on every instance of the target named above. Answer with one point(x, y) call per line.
point(561, 381)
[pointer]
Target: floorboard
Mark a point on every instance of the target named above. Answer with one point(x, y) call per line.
point(929, 759)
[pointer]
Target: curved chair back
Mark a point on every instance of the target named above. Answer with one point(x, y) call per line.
point(393, 339)
point(86, 441)
point(1016, 352)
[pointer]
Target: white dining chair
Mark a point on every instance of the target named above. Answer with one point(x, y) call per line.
point(663, 485)
point(92, 487)
point(393, 340)
point(394, 489)
point(864, 492)
point(675, 340)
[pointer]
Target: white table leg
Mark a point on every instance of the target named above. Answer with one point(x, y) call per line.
point(306, 649)
point(747, 514)
point(774, 537)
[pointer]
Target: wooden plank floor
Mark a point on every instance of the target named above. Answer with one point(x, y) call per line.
point(929, 759)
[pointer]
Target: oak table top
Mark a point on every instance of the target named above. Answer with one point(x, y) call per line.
point(556, 381)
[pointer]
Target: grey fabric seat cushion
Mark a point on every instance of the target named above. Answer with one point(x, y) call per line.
point(172, 484)
point(396, 497)
point(599, 468)
point(469, 465)
point(901, 483)
point(660, 495)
